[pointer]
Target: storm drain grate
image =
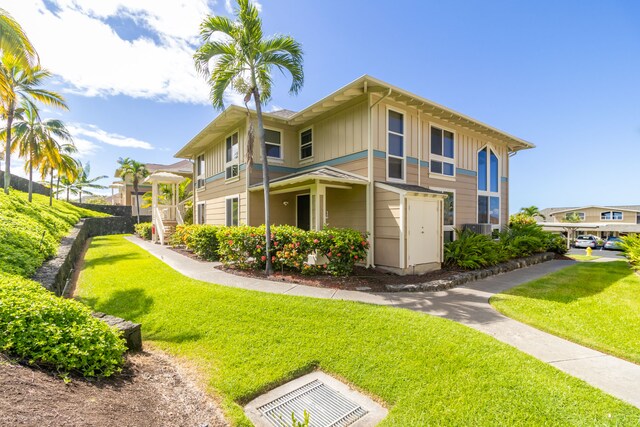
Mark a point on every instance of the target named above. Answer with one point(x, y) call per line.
point(326, 407)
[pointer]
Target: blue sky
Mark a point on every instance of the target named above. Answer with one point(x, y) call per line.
point(563, 75)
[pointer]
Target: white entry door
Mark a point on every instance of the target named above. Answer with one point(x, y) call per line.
point(423, 231)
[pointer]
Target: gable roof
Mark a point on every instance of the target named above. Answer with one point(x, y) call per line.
point(182, 167)
point(325, 173)
point(553, 211)
point(361, 86)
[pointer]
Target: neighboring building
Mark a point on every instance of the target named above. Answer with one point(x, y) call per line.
point(369, 156)
point(122, 191)
point(601, 221)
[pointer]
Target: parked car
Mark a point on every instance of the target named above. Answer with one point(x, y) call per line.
point(613, 244)
point(586, 241)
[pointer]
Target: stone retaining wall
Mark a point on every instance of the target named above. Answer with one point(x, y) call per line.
point(22, 184)
point(115, 210)
point(469, 276)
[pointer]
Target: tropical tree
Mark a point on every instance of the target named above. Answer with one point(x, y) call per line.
point(62, 163)
point(14, 41)
point(21, 84)
point(136, 171)
point(35, 139)
point(532, 211)
point(244, 61)
point(82, 184)
point(571, 217)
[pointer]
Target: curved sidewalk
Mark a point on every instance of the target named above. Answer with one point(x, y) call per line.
point(468, 305)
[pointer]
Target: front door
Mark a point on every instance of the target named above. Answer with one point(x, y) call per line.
point(423, 231)
point(303, 211)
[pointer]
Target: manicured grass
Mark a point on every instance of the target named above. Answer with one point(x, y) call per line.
point(584, 257)
point(594, 304)
point(428, 370)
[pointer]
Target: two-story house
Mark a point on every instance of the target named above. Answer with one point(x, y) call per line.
point(601, 221)
point(369, 156)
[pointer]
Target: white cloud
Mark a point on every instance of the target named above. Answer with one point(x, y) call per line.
point(77, 44)
point(88, 137)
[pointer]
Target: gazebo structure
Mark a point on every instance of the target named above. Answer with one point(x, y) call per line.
point(115, 185)
point(165, 214)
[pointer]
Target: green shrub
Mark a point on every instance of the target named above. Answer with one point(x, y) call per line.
point(556, 243)
point(143, 230)
point(472, 251)
point(201, 239)
point(522, 239)
point(54, 332)
point(30, 232)
point(631, 247)
point(244, 247)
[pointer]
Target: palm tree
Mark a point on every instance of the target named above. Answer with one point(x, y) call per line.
point(35, 139)
point(83, 182)
point(136, 171)
point(63, 163)
point(14, 41)
point(532, 211)
point(244, 61)
point(18, 85)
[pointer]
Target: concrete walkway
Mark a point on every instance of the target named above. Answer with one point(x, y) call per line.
point(468, 305)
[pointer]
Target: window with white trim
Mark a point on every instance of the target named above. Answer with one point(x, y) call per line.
point(200, 172)
point(571, 215)
point(449, 216)
point(611, 216)
point(232, 158)
point(442, 160)
point(488, 187)
point(306, 144)
point(273, 139)
point(232, 210)
point(395, 145)
point(201, 212)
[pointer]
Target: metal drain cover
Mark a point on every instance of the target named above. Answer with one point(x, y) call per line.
point(329, 403)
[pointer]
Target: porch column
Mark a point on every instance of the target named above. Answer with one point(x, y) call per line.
point(319, 215)
point(154, 205)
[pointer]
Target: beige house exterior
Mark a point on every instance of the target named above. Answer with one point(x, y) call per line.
point(122, 192)
point(600, 221)
point(369, 156)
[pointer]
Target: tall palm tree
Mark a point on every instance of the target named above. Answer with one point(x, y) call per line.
point(35, 139)
point(244, 61)
point(532, 211)
point(14, 40)
point(83, 182)
point(63, 163)
point(136, 171)
point(19, 84)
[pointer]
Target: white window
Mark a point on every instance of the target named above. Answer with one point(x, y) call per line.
point(306, 144)
point(273, 139)
point(232, 160)
point(201, 212)
point(232, 208)
point(442, 160)
point(200, 172)
point(488, 187)
point(395, 146)
point(449, 214)
point(611, 216)
point(570, 215)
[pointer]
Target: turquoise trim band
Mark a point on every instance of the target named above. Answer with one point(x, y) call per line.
point(337, 161)
point(412, 161)
point(504, 179)
point(424, 164)
point(467, 172)
point(379, 154)
point(220, 175)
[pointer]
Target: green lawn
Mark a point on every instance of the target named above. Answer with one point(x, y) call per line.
point(594, 304)
point(584, 257)
point(428, 370)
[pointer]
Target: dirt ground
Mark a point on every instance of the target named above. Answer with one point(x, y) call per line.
point(151, 391)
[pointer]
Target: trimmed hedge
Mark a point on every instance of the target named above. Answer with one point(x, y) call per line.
point(199, 238)
point(31, 232)
point(143, 230)
point(54, 332)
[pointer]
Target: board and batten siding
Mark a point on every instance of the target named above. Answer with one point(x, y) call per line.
point(387, 228)
point(347, 208)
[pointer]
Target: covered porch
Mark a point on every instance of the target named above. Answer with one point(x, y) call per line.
point(313, 200)
point(165, 212)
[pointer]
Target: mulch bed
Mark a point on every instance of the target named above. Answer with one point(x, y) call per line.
point(151, 391)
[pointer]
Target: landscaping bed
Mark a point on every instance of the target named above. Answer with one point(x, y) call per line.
point(151, 391)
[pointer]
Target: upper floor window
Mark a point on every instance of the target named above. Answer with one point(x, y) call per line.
point(200, 174)
point(572, 216)
point(442, 152)
point(232, 209)
point(306, 144)
point(273, 139)
point(611, 216)
point(488, 187)
point(232, 160)
point(395, 142)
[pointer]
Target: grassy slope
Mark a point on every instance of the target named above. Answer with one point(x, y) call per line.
point(31, 232)
point(594, 304)
point(428, 370)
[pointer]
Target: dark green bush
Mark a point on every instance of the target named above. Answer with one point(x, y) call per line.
point(201, 239)
point(522, 239)
point(54, 332)
point(631, 248)
point(143, 230)
point(556, 243)
point(472, 251)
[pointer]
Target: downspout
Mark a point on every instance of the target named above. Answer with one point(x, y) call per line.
point(419, 148)
point(194, 186)
point(370, 185)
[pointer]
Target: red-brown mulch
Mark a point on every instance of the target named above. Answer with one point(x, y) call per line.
point(151, 391)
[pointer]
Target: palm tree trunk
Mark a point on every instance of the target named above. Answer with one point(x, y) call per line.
point(67, 194)
point(51, 190)
point(7, 152)
point(265, 181)
point(135, 190)
point(58, 187)
point(30, 177)
point(80, 196)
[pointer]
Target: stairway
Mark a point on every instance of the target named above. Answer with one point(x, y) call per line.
point(169, 229)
